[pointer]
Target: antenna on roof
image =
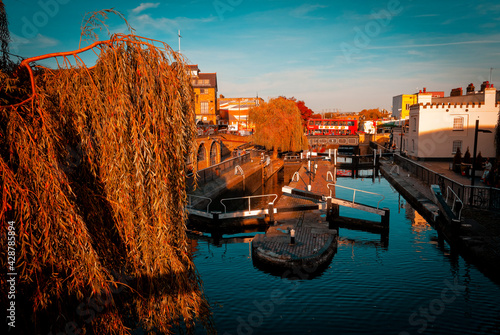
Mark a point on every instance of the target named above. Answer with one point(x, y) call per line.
point(179, 34)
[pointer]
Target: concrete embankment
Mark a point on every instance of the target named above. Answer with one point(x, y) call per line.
point(242, 179)
point(467, 236)
point(415, 192)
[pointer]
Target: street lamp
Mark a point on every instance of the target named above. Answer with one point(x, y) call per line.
point(475, 150)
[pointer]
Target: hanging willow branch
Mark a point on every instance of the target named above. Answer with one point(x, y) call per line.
point(97, 21)
point(93, 167)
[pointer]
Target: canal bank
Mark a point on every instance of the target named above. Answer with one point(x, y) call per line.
point(475, 237)
point(233, 179)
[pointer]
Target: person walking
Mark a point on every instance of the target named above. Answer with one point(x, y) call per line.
point(487, 169)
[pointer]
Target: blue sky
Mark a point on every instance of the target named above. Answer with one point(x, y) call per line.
point(331, 54)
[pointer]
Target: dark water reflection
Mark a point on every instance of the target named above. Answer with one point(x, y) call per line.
point(415, 285)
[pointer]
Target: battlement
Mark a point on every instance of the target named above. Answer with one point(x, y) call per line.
point(456, 105)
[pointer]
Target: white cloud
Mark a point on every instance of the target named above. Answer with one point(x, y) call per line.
point(302, 12)
point(432, 45)
point(160, 26)
point(21, 45)
point(145, 5)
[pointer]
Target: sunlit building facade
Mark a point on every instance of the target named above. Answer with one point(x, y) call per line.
point(205, 88)
point(439, 126)
point(235, 111)
point(401, 103)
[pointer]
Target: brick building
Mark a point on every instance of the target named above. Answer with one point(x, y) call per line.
point(205, 88)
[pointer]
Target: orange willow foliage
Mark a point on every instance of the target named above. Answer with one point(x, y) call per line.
point(278, 125)
point(92, 169)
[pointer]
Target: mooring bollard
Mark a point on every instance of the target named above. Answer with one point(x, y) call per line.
point(292, 236)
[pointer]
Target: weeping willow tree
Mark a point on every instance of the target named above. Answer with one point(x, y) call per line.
point(4, 37)
point(278, 125)
point(92, 164)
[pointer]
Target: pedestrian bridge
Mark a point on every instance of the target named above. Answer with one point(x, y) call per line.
point(211, 149)
point(333, 140)
point(209, 152)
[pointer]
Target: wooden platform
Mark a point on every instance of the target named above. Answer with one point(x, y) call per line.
point(315, 244)
point(314, 247)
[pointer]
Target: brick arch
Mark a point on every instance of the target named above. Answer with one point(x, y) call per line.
point(201, 156)
point(215, 154)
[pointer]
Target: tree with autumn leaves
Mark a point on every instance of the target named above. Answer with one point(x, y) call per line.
point(92, 168)
point(278, 125)
point(305, 112)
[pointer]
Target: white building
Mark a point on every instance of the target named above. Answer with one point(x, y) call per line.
point(438, 126)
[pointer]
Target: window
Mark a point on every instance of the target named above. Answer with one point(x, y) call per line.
point(458, 123)
point(204, 107)
point(407, 106)
point(203, 90)
point(414, 128)
point(456, 145)
point(413, 145)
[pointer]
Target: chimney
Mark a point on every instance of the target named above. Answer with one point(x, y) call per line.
point(485, 84)
point(490, 94)
point(456, 92)
point(471, 89)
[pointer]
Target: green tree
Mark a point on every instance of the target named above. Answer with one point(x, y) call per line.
point(278, 125)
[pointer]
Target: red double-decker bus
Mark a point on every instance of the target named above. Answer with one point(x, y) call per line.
point(332, 127)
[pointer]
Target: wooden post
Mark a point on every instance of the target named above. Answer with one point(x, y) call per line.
point(270, 209)
point(385, 217)
point(334, 214)
point(215, 216)
point(328, 209)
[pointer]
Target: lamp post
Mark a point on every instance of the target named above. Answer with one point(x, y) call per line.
point(477, 130)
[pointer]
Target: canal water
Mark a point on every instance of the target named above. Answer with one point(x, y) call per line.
point(412, 284)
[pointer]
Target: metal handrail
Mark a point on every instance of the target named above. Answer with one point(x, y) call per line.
point(237, 169)
point(296, 174)
point(329, 173)
point(190, 203)
point(432, 177)
point(249, 198)
point(354, 194)
point(454, 201)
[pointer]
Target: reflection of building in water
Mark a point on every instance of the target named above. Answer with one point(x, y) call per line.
point(409, 212)
point(418, 223)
